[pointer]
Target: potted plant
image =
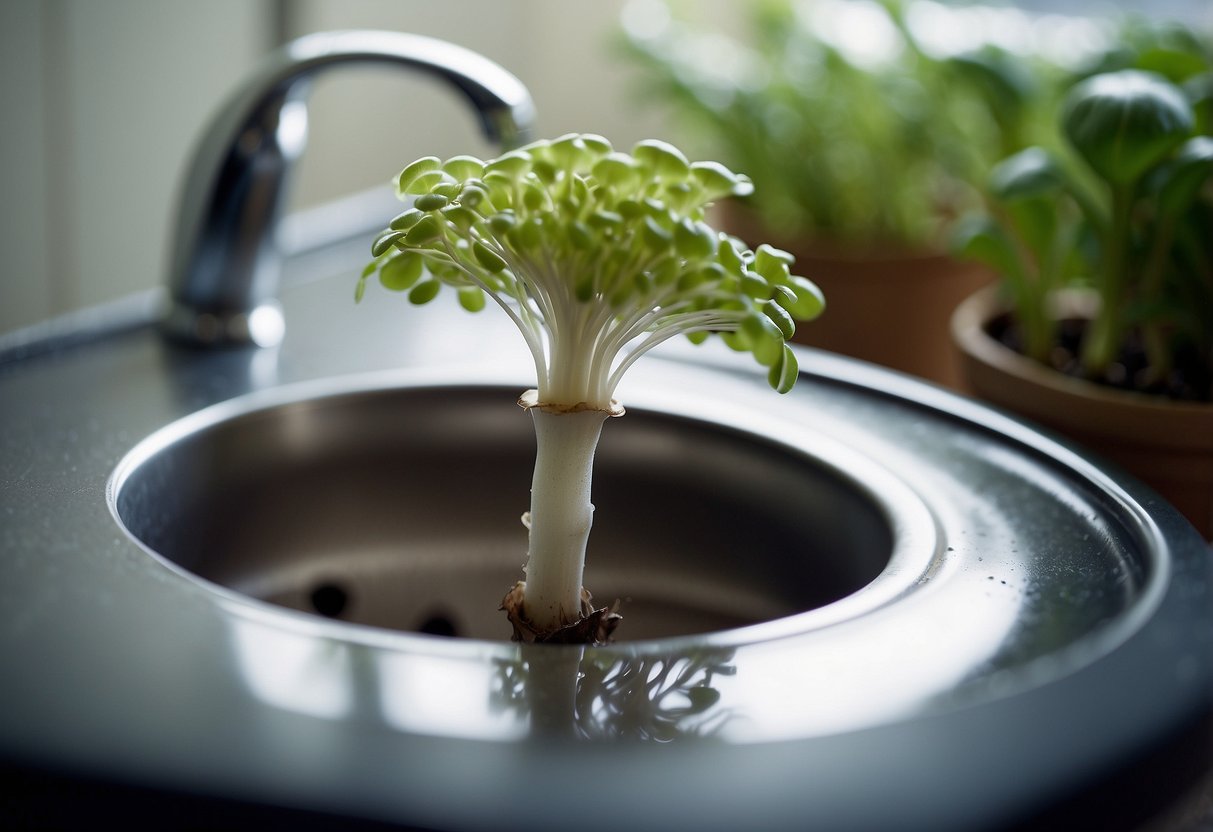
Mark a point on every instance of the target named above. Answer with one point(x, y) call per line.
point(597, 257)
point(1102, 327)
point(862, 157)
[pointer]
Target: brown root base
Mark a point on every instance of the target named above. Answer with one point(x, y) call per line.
point(596, 626)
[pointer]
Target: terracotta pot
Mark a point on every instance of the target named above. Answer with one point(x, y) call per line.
point(887, 306)
point(1166, 444)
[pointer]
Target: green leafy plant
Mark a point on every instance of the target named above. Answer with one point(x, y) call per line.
point(596, 256)
point(885, 147)
point(1128, 213)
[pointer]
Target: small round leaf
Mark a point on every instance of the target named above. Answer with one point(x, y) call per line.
point(471, 298)
point(401, 272)
point(406, 178)
point(783, 373)
point(464, 167)
point(424, 292)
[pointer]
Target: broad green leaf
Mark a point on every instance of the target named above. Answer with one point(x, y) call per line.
point(1185, 175)
point(980, 238)
point(1031, 172)
point(1124, 123)
point(1000, 78)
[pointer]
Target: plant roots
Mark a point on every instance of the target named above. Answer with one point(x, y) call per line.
point(595, 626)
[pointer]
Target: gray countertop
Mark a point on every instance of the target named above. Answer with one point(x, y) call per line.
point(119, 668)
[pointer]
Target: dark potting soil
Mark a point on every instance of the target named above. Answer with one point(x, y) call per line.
point(1191, 379)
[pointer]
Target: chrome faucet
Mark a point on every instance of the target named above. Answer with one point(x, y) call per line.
point(225, 267)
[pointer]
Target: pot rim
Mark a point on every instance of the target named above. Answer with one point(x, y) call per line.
point(969, 331)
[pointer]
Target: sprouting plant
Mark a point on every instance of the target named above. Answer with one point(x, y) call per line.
point(596, 256)
point(1128, 215)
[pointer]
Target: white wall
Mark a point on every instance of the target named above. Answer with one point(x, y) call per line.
point(26, 283)
point(101, 100)
point(559, 49)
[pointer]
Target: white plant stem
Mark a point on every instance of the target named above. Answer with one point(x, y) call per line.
point(561, 513)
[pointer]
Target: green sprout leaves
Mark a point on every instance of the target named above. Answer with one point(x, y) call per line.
point(596, 255)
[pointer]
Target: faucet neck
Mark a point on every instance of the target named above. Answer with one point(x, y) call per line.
point(225, 267)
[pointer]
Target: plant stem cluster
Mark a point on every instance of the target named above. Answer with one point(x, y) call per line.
point(596, 256)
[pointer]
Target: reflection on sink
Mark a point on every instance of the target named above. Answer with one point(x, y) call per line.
point(400, 508)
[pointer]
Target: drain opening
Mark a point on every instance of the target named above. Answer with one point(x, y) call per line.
point(438, 624)
point(330, 600)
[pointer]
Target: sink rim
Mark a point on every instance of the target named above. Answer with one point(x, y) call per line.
point(899, 583)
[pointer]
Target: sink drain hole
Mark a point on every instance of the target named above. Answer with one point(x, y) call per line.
point(330, 600)
point(438, 624)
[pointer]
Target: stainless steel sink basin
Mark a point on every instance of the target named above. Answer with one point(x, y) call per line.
point(399, 508)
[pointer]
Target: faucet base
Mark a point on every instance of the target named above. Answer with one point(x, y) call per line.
point(261, 326)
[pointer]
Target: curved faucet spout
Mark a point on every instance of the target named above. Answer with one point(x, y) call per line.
point(225, 268)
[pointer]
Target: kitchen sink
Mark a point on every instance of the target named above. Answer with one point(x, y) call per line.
point(249, 573)
point(399, 508)
point(231, 577)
